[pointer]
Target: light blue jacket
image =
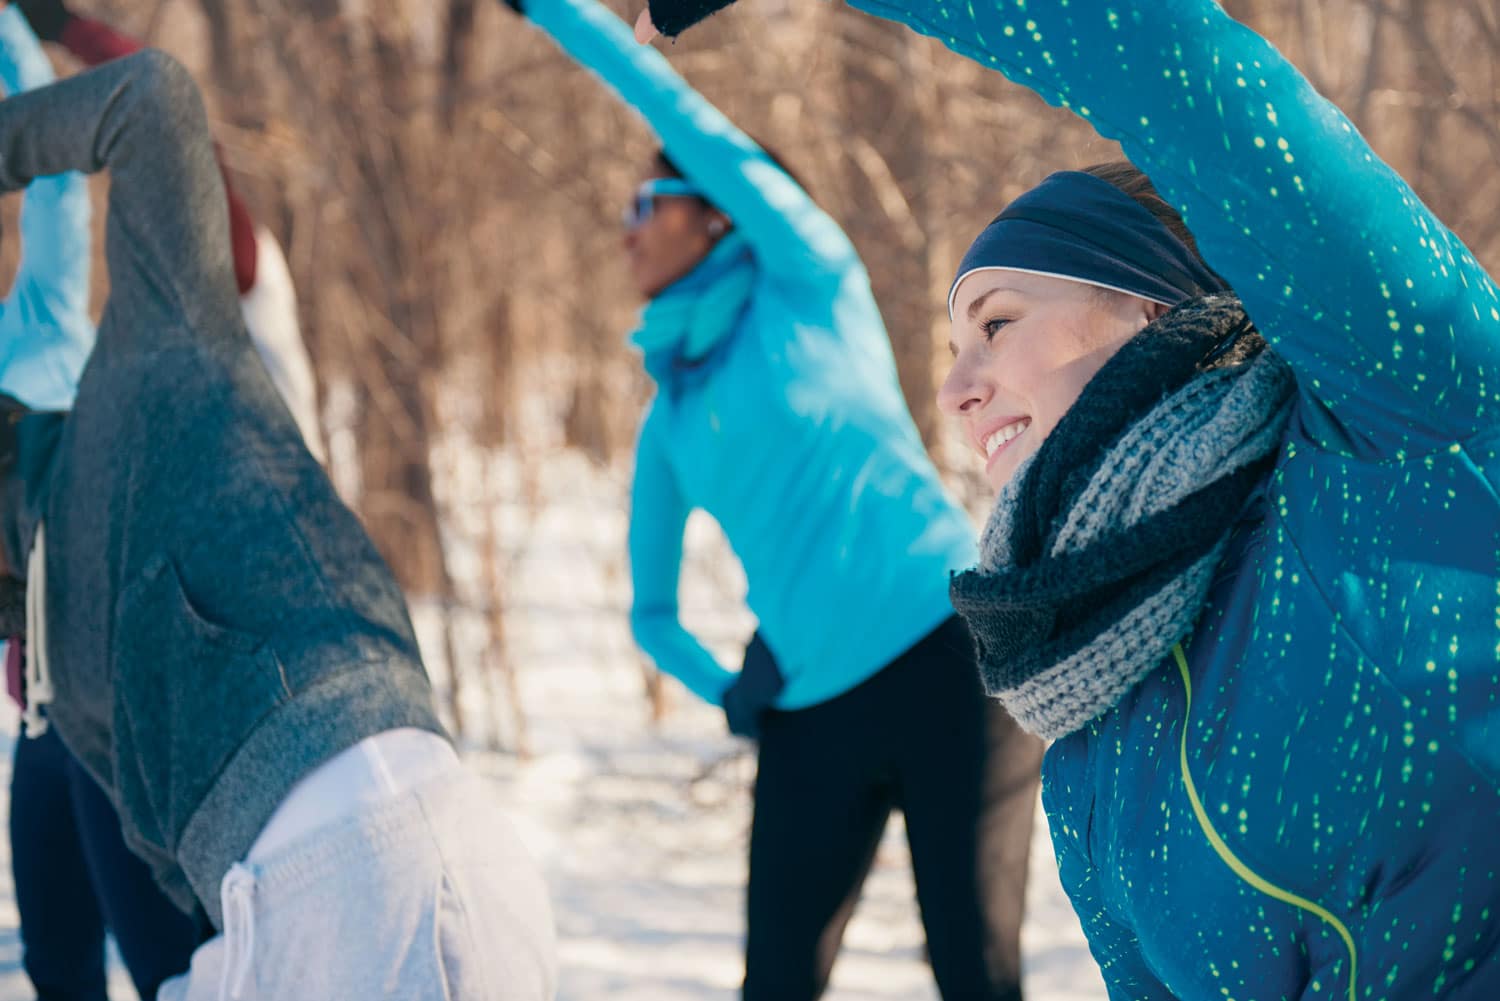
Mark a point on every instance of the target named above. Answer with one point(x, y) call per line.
point(45, 331)
point(778, 411)
point(1307, 807)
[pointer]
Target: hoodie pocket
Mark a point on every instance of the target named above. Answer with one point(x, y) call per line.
point(187, 693)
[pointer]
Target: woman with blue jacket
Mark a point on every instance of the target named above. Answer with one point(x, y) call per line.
point(45, 331)
point(1243, 564)
point(778, 412)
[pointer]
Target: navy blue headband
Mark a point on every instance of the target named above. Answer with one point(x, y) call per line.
point(1074, 225)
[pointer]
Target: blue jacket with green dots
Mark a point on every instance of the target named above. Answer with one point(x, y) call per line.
point(778, 412)
point(1315, 817)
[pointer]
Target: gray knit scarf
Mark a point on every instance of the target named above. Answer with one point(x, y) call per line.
point(1101, 548)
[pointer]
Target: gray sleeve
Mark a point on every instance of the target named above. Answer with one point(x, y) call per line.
point(141, 118)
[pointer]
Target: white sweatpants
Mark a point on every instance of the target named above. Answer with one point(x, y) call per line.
point(428, 894)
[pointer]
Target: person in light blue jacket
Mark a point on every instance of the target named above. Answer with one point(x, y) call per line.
point(1244, 563)
point(45, 330)
point(778, 411)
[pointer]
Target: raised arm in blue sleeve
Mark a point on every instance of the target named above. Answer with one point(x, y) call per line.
point(1389, 322)
point(23, 64)
point(51, 288)
point(791, 236)
point(658, 516)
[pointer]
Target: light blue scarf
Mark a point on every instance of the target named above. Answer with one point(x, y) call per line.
point(694, 315)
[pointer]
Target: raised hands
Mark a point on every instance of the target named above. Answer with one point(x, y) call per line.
point(645, 29)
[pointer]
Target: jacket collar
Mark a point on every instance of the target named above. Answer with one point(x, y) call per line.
point(693, 316)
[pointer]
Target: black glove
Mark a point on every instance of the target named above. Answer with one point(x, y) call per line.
point(47, 18)
point(673, 17)
point(754, 691)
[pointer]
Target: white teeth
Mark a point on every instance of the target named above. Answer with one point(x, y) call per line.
point(1009, 432)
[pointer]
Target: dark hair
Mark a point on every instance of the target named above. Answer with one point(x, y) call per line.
point(672, 170)
point(1129, 178)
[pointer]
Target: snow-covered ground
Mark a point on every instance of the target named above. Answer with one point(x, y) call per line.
point(642, 835)
point(641, 825)
point(643, 838)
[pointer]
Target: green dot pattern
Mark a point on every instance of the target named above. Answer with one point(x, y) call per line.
point(1345, 728)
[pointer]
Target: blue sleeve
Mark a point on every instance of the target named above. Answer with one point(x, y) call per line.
point(23, 64)
point(1391, 325)
point(791, 236)
point(658, 516)
point(1114, 947)
point(53, 273)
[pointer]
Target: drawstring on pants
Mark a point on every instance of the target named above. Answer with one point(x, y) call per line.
point(38, 672)
point(238, 892)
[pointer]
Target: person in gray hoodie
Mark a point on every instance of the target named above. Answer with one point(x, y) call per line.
point(211, 632)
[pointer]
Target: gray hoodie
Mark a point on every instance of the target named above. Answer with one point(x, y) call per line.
point(217, 622)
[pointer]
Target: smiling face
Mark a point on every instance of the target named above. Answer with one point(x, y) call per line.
point(1023, 348)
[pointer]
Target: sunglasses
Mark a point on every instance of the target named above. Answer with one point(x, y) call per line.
point(643, 204)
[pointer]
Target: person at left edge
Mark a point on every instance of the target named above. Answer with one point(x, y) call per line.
point(268, 298)
point(73, 874)
point(211, 632)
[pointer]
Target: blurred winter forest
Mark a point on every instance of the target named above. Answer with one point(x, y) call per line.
point(448, 189)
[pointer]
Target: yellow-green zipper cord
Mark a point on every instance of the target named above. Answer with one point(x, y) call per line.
point(1239, 868)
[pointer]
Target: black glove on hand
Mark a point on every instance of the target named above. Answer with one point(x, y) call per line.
point(673, 17)
point(754, 691)
point(46, 17)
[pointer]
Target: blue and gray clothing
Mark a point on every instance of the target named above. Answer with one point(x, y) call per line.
point(217, 622)
point(1305, 806)
point(45, 331)
point(778, 412)
point(73, 873)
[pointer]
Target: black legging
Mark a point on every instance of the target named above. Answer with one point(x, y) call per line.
point(919, 736)
point(74, 876)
